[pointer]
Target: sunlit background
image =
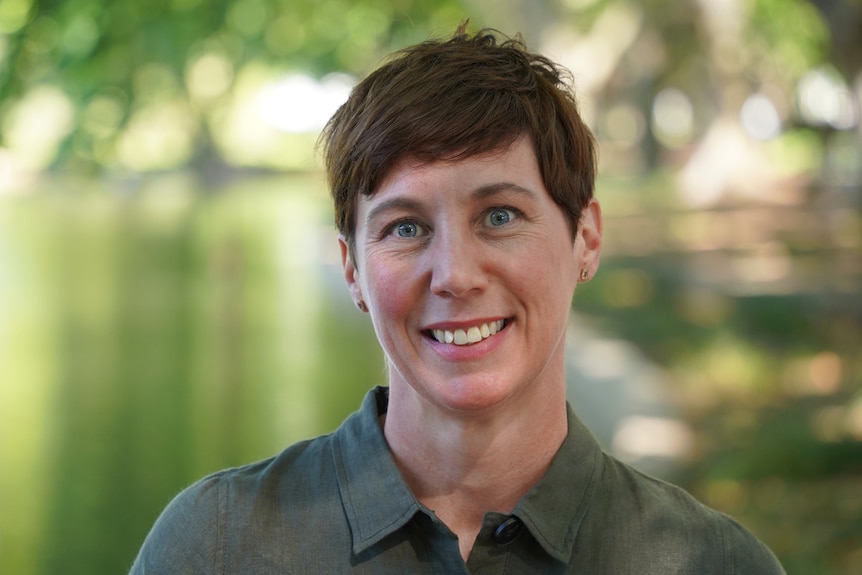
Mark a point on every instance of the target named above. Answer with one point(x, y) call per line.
point(171, 300)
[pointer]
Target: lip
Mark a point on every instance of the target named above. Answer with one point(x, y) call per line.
point(453, 325)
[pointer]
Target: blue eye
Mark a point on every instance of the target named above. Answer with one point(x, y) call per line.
point(499, 217)
point(408, 230)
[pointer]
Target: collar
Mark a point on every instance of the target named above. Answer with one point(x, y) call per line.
point(378, 502)
point(554, 508)
point(376, 499)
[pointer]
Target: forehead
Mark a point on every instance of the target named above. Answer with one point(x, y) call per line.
point(515, 163)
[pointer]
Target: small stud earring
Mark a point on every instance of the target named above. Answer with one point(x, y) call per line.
point(584, 274)
point(361, 305)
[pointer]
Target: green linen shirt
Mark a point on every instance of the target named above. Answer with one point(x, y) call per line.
point(338, 504)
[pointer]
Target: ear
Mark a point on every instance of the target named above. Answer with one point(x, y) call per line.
point(351, 274)
point(590, 233)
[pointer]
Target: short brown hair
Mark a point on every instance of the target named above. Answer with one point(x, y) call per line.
point(456, 98)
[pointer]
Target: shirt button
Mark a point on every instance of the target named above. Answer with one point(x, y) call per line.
point(508, 531)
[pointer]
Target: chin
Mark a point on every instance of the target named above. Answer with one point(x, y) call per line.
point(472, 394)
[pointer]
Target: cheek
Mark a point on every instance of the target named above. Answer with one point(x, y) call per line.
point(553, 275)
point(548, 266)
point(392, 302)
point(389, 289)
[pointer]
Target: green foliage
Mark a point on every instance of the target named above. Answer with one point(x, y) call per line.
point(789, 37)
point(131, 53)
point(113, 59)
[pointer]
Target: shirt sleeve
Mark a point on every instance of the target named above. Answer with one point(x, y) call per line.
point(186, 536)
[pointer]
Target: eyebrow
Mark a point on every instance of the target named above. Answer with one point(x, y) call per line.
point(496, 188)
point(395, 204)
point(480, 193)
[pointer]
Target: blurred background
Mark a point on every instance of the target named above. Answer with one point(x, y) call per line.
point(171, 301)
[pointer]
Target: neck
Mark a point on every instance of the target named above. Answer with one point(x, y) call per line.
point(464, 465)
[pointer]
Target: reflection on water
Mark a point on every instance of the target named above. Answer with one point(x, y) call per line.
point(148, 337)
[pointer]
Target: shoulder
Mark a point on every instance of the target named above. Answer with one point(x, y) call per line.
point(665, 521)
point(746, 553)
point(272, 483)
point(184, 537)
point(198, 528)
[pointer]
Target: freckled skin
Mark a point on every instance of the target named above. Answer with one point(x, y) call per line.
point(459, 243)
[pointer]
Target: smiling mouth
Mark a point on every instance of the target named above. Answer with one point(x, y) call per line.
point(470, 335)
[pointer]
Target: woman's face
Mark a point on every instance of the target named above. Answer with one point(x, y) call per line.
point(468, 270)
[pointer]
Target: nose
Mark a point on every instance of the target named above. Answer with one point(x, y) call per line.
point(456, 266)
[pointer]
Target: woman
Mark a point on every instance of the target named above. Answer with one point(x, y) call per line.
point(463, 177)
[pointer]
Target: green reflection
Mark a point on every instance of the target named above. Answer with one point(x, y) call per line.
point(153, 337)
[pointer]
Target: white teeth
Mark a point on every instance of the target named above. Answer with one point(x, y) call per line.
point(473, 334)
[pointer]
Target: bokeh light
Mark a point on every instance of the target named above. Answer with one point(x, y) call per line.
point(824, 99)
point(298, 103)
point(673, 118)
